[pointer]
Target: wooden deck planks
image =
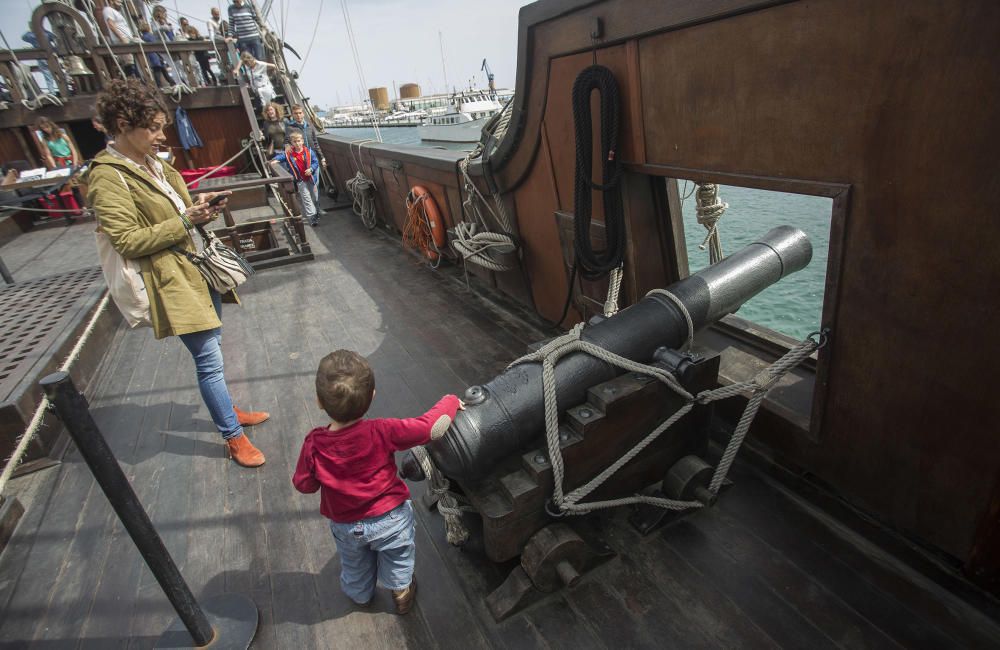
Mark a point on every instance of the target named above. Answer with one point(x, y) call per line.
point(759, 571)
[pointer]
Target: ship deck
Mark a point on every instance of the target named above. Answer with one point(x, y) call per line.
point(767, 567)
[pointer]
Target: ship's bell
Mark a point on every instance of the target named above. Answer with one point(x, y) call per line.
point(75, 65)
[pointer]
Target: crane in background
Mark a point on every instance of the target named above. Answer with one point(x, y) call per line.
point(489, 77)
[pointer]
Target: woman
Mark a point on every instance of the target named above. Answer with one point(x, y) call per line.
point(59, 150)
point(257, 71)
point(274, 128)
point(144, 208)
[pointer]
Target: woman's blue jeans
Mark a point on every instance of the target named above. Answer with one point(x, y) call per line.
point(206, 350)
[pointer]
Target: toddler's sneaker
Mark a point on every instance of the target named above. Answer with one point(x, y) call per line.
point(404, 597)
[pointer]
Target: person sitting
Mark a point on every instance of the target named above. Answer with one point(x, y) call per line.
point(60, 152)
point(301, 163)
point(157, 62)
point(259, 81)
point(166, 34)
point(43, 65)
point(201, 56)
point(119, 32)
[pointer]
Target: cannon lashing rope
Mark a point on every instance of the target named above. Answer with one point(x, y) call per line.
point(758, 387)
point(450, 505)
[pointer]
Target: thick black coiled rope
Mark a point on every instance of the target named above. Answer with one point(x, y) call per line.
point(593, 264)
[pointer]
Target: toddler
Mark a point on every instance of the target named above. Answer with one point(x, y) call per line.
point(351, 462)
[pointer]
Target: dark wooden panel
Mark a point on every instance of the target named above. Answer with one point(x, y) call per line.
point(536, 202)
point(221, 129)
point(896, 144)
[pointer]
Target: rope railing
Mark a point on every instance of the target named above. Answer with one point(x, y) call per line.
point(36, 419)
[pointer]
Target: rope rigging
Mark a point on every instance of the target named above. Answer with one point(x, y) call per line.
point(362, 190)
point(474, 238)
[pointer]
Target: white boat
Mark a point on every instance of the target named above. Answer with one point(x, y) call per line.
point(463, 119)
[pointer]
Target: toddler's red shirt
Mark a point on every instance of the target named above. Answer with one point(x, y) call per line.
point(354, 467)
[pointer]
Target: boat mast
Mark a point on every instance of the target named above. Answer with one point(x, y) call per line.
point(443, 68)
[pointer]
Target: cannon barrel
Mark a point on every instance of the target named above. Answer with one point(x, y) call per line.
point(508, 412)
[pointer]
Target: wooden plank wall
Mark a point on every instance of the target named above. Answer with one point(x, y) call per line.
point(222, 129)
point(886, 99)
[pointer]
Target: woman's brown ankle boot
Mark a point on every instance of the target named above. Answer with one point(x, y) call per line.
point(243, 452)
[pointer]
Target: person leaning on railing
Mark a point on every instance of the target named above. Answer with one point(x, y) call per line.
point(144, 208)
point(119, 32)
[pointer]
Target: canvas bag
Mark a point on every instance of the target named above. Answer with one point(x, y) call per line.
point(124, 280)
point(223, 268)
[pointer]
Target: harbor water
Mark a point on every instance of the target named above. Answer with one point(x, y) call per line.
point(792, 306)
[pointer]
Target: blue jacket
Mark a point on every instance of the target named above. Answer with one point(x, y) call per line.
point(185, 130)
point(308, 133)
point(282, 157)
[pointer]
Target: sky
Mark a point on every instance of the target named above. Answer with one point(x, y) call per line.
point(397, 41)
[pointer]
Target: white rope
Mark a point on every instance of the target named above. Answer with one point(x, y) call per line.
point(36, 419)
point(362, 191)
point(549, 354)
point(474, 239)
point(313, 39)
point(361, 188)
point(80, 211)
point(180, 88)
point(614, 288)
point(709, 209)
point(357, 64)
point(448, 502)
point(101, 37)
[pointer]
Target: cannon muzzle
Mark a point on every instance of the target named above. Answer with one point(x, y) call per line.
point(508, 412)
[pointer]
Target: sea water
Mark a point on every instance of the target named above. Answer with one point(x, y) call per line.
point(792, 306)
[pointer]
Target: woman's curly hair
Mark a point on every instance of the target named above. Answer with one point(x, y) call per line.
point(132, 101)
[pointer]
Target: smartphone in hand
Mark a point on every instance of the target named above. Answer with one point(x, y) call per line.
point(217, 200)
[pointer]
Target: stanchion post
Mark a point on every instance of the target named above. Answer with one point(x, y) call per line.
point(73, 411)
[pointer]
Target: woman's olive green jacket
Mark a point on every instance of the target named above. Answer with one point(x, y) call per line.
point(142, 223)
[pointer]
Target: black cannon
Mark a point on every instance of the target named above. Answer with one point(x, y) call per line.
point(506, 413)
point(496, 451)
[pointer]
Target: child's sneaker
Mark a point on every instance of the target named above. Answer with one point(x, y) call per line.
point(404, 597)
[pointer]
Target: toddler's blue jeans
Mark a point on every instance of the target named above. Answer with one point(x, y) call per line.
point(380, 547)
point(206, 349)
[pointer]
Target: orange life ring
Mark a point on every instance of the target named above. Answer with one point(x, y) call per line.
point(424, 225)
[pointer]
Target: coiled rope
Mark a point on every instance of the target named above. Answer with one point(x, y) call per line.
point(593, 264)
point(587, 262)
point(362, 190)
point(36, 420)
point(758, 387)
point(473, 238)
point(417, 231)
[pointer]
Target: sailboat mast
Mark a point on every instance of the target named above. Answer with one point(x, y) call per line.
point(443, 68)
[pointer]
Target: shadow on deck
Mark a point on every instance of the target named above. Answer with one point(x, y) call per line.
point(762, 569)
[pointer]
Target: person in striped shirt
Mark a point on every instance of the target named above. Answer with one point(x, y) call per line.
point(244, 29)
